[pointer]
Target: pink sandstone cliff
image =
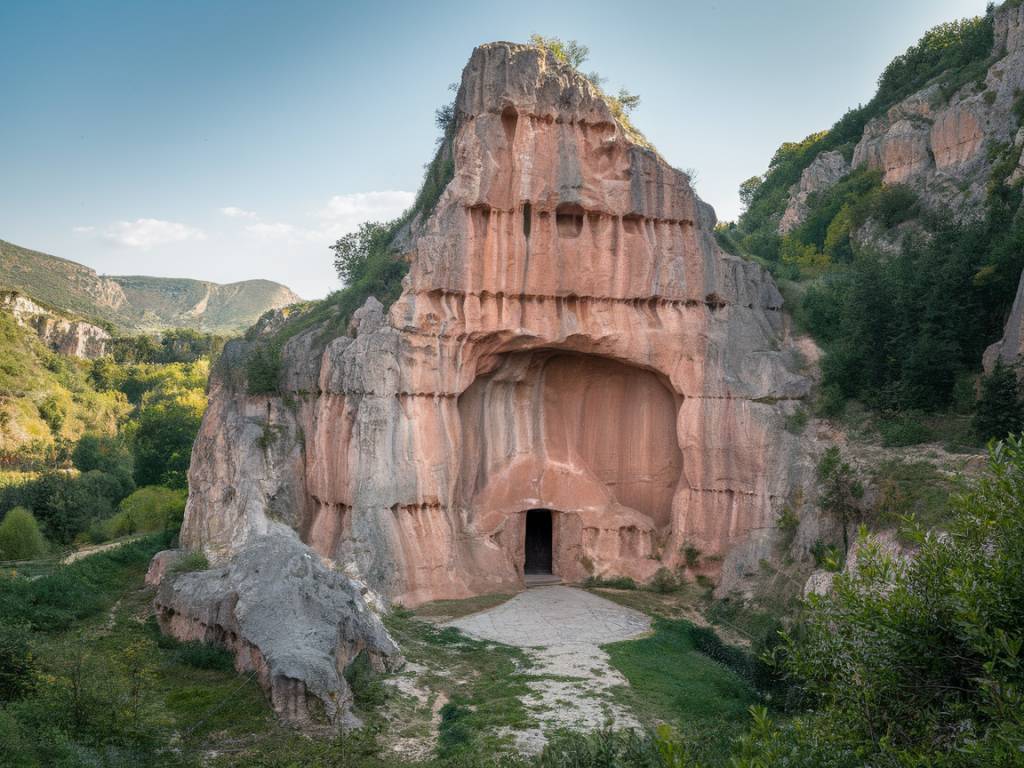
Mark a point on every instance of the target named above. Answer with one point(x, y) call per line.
point(569, 337)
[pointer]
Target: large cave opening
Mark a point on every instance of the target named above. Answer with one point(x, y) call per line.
point(589, 436)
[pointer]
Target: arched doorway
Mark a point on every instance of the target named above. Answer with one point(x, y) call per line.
point(538, 547)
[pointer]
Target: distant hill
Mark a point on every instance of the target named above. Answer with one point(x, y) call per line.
point(135, 304)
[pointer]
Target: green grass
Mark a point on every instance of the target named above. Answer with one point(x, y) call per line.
point(915, 488)
point(671, 681)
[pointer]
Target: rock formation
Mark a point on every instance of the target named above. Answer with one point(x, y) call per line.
point(822, 174)
point(290, 620)
point(942, 146)
point(1009, 350)
point(74, 338)
point(569, 338)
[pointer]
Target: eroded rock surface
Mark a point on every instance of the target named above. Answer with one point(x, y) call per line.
point(821, 175)
point(74, 338)
point(569, 338)
point(288, 618)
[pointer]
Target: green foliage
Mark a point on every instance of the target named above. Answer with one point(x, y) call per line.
point(904, 429)
point(609, 582)
point(17, 664)
point(206, 656)
point(193, 561)
point(147, 510)
point(162, 439)
point(176, 345)
point(20, 537)
point(664, 582)
point(72, 592)
point(263, 371)
point(353, 251)
point(841, 491)
point(104, 453)
point(566, 51)
point(920, 658)
point(1000, 409)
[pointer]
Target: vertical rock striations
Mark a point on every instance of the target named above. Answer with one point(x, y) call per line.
point(569, 338)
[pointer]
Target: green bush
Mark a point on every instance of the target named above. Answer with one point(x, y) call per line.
point(206, 656)
point(17, 663)
point(664, 582)
point(906, 429)
point(20, 537)
point(149, 509)
point(1000, 408)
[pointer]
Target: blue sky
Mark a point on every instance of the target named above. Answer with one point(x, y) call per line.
point(233, 140)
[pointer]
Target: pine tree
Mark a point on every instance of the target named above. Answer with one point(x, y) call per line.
point(1000, 409)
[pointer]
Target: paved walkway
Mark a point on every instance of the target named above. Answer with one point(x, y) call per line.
point(562, 629)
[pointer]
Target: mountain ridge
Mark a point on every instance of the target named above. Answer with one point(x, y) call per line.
point(138, 303)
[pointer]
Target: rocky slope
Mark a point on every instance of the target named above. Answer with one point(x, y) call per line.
point(944, 149)
point(138, 304)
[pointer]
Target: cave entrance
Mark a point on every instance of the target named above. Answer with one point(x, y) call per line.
point(538, 542)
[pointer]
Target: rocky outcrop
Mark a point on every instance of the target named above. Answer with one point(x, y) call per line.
point(570, 338)
point(1009, 350)
point(74, 338)
point(293, 622)
point(821, 175)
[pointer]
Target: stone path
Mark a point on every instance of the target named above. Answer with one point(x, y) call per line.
point(562, 629)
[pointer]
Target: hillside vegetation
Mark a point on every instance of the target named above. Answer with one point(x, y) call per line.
point(136, 304)
point(903, 295)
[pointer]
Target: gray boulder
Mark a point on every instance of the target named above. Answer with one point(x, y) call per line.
point(288, 618)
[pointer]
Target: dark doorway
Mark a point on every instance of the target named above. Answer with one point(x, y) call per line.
point(538, 541)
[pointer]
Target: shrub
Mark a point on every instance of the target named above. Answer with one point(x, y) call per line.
point(664, 582)
point(904, 430)
point(20, 537)
point(17, 665)
point(206, 656)
point(1000, 409)
point(149, 509)
point(610, 582)
point(193, 561)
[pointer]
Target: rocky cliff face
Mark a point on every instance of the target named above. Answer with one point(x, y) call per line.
point(826, 169)
point(570, 338)
point(943, 148)
point(74, 338)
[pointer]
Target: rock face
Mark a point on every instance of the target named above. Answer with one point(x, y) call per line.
point(939, 146)
point(570, 339)
point(289, 619)
point(822, 174)
point(74, 338)
point(1009, 350)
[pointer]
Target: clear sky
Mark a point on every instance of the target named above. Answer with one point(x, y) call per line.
point(237, 139)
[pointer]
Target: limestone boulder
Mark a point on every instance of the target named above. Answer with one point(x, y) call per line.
point(290, 620)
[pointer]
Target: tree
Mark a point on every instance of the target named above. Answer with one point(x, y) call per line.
point(354, 251)
point(627, 100)
point(841, 490)
point(569, 51)
point(163, 438)
point(748, 189)
point(20, 537)
point(1000, 409)
point(107, 454)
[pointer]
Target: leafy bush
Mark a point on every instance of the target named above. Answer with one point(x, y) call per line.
point(20, 537)
point(1000, 409)
point(206, 656)
point(149, 509)
point(905, 429)
point(664, 582)
point(17, 664)
point(919, 658)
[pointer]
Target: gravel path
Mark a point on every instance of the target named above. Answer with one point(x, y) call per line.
point(562, 629)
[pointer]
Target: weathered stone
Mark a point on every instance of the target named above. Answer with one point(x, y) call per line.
point(822, 174)
point(289, 619)
point(570, 337)
point(160, 564)
point(1009, 350)
point(74, 338)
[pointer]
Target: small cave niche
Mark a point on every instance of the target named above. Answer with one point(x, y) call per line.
point(631, 223)
point(569, 220)
point(509, 120)
point(527, 219)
